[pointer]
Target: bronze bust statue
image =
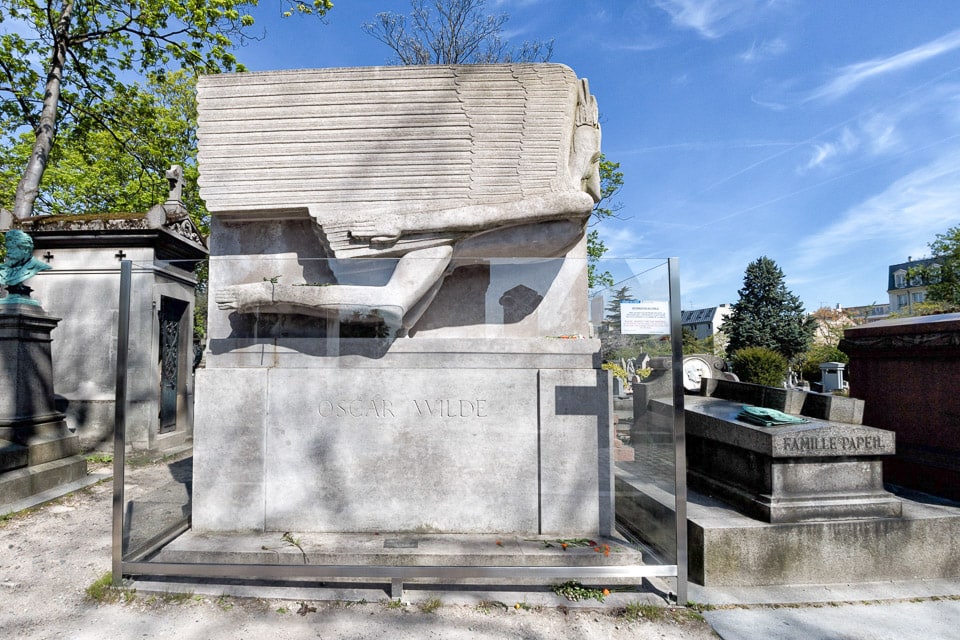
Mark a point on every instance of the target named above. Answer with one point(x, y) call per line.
point(19, 266)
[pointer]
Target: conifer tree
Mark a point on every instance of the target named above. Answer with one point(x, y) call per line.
point(768, 314)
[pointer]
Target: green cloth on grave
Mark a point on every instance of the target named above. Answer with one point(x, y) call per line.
point(763, 417)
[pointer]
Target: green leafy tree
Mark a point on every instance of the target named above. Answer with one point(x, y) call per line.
point(65, 65)
point(611, 181)
point(943, 275)
point(613, 308)
point(692, 344)
point(95, 171)
point(461, 32)
point(767, 314)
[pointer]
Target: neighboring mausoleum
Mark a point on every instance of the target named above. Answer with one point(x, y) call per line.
point(908, 371)
point(82, 286)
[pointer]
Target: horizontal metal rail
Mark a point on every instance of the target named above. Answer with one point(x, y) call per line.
point(287, 571)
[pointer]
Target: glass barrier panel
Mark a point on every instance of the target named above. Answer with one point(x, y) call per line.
point(436, 417)
point(631, 315)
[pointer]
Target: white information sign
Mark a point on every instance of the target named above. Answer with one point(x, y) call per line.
point(644, 317)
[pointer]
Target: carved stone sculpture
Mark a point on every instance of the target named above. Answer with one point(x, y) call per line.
point(431, 165)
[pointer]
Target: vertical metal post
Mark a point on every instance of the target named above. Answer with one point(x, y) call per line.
point(679, 429)
point(120, 417)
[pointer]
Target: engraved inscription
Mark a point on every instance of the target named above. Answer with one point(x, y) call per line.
point(452, 408)
point(834, 443)
point(381, 408)
point(357, 408)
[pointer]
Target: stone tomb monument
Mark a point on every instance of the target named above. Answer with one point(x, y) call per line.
point(86, 251)
point(37, 452)
point(398, 272)
point(789, 502)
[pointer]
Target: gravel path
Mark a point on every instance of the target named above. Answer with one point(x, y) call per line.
point(50, 555)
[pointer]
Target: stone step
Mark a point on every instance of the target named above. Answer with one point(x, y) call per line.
point(12, 455)
point(24, 482)
point(397, 549)
point(45, 448)
point(727, 548)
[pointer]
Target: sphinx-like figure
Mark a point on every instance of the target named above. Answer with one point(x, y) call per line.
point(433, 166)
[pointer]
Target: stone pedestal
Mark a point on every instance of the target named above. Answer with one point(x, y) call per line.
point(727, 548)
point(433, 436)
point(791, 473)
point(37, 452)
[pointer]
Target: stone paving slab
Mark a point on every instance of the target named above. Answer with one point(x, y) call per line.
point(929, 620)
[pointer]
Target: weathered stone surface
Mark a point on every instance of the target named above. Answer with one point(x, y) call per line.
point(27, 481)
point(228, 453)
point(392, 270)
point(86, 252)
point(419, 450)
point(25, 360)
point(821, 406)
point(12, 455)
point(727, 548)
point(37, 452)
point(811, 439)
point(791, 473)
point(463, 451)
point(576, 457)
point(498, 162)
point(376, 143)
point(411, 550)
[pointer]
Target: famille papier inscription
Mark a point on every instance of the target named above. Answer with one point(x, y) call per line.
point(835, 443)
point(421, 408)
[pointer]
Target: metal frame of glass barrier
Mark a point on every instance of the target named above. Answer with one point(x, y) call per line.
point(134, 563)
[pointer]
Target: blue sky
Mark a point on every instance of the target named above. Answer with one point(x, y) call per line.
point(824, 134)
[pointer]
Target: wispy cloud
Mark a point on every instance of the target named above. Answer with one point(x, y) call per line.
point(846, 143)
point(711, 145)
point(621, 241)
point(851, 76)
point(764, 50)
point(906, 215)
point(633, 44)
point(768, 104)
point(710, 18)
point(881, 133)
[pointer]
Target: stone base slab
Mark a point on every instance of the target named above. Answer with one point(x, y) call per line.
point(727, 548)
point(395, 549)
point(22, 483)
point(423, 450)
point(13, 455)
